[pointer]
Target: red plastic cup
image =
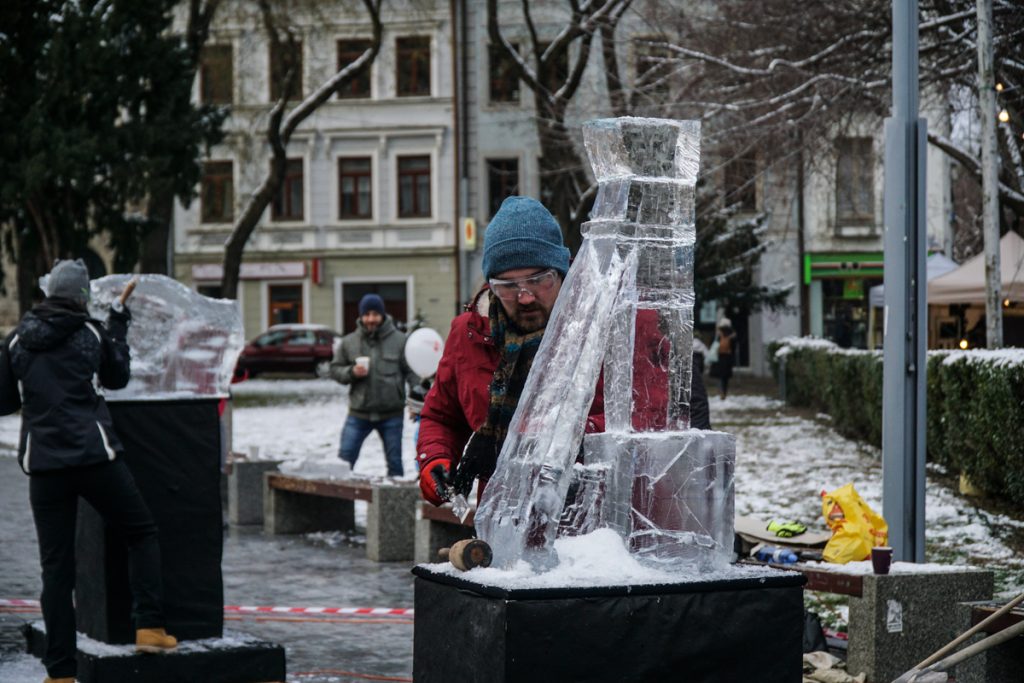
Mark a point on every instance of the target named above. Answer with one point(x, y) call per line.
point(881, 559)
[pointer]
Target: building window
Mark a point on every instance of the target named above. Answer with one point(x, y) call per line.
point(557, 72)
point(217, 192)
point(355, 182)
point(288, 204)
point(216, 74)
point(652, 67)
point(504, 83)
point(285, 303)
point(212, 291)
point(285, 59)
point(502, 182)
point(348, 52)
point(741, 182)
point(855, 181)
point(413, 66)
point(414, 187)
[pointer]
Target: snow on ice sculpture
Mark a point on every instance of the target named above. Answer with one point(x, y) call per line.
point(183, 344)
point(627, 303)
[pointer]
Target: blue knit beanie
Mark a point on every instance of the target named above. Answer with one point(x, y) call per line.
point(523, 234)
point(371, 302)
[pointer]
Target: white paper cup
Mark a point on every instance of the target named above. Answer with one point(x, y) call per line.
point(363, 362)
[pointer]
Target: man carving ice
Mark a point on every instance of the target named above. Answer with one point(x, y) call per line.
point(490, 350)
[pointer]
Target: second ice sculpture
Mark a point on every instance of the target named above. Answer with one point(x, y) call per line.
point(626, 307)
point(183, 344)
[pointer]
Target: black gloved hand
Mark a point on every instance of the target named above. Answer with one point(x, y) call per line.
point(442, 482)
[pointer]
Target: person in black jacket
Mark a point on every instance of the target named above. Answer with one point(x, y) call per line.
point(54, 364)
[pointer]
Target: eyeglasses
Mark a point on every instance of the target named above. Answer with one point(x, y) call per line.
point(534, 285)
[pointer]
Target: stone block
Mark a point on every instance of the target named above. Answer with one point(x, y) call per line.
point(390, 522)
point(291, 512)
point(245, 490)
point(902, 618)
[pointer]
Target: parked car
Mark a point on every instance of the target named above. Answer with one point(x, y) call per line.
point(289, 348)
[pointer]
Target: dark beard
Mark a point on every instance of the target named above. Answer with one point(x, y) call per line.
point(531, 325)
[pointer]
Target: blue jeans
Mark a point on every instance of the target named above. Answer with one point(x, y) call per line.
point(355, 431)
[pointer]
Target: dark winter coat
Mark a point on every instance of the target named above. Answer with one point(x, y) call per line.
point(58, 358)
point(381, 394)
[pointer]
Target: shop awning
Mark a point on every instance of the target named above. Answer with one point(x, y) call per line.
point(966, 284)
point(938, 265)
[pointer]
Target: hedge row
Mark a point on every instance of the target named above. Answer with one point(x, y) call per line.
point(975, 404)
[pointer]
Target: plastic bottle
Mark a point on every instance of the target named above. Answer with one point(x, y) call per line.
point(770, 553)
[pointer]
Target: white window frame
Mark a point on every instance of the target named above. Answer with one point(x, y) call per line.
point(371, 150)
point(393, 155)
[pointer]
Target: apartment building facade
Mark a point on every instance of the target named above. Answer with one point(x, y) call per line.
point(367, 203)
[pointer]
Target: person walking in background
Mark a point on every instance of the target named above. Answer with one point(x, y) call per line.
point(372, 361)
point(51, 367)
point(725, 340)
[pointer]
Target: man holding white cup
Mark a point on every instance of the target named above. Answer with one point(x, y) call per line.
point(372, 362)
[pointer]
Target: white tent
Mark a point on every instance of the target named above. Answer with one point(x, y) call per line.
point(966, 284)
point(938, 264)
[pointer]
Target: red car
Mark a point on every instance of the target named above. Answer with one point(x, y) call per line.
point(289, 348)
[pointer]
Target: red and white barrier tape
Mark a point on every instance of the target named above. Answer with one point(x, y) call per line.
point(365, 611)
point(18, 603)
point(264, 609)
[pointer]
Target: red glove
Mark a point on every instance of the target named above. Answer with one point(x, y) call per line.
point(436, 481)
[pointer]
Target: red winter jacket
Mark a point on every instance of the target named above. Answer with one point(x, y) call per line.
point(456, 405)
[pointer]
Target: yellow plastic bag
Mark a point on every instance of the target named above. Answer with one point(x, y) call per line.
point(856, 528)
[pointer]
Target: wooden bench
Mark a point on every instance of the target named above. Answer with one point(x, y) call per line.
point(293, 505)
point(438, 527)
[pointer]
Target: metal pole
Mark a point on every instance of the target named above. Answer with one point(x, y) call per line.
point(903, 402)
point(989, 178)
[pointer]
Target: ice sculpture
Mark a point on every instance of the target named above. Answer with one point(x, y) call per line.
point(626, 307)
point(183, 344)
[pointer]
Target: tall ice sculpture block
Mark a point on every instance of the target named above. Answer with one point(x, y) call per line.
point(626, 308)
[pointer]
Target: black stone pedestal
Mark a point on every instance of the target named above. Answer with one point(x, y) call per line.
point(173, 449)
point(743, 629)
point(235, 658)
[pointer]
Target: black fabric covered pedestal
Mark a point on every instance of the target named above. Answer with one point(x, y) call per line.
point(173, 449)
point(235, 659)
point(747, 629)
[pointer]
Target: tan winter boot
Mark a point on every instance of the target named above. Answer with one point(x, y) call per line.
point(154, 640)
point(59, 680)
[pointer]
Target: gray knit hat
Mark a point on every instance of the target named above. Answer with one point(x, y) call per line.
point(523, 234)
point(69, 280)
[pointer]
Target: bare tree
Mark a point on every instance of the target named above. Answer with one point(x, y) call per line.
point(281, 126)
point(553, 71)
point(785, 82)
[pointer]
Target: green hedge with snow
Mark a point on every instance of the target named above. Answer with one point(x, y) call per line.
point(975, 404)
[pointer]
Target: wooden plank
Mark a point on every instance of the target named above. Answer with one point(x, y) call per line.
point(821, 580)
point(445, 514)
point(830, 582)
point(981, 612)
point(321, 487)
